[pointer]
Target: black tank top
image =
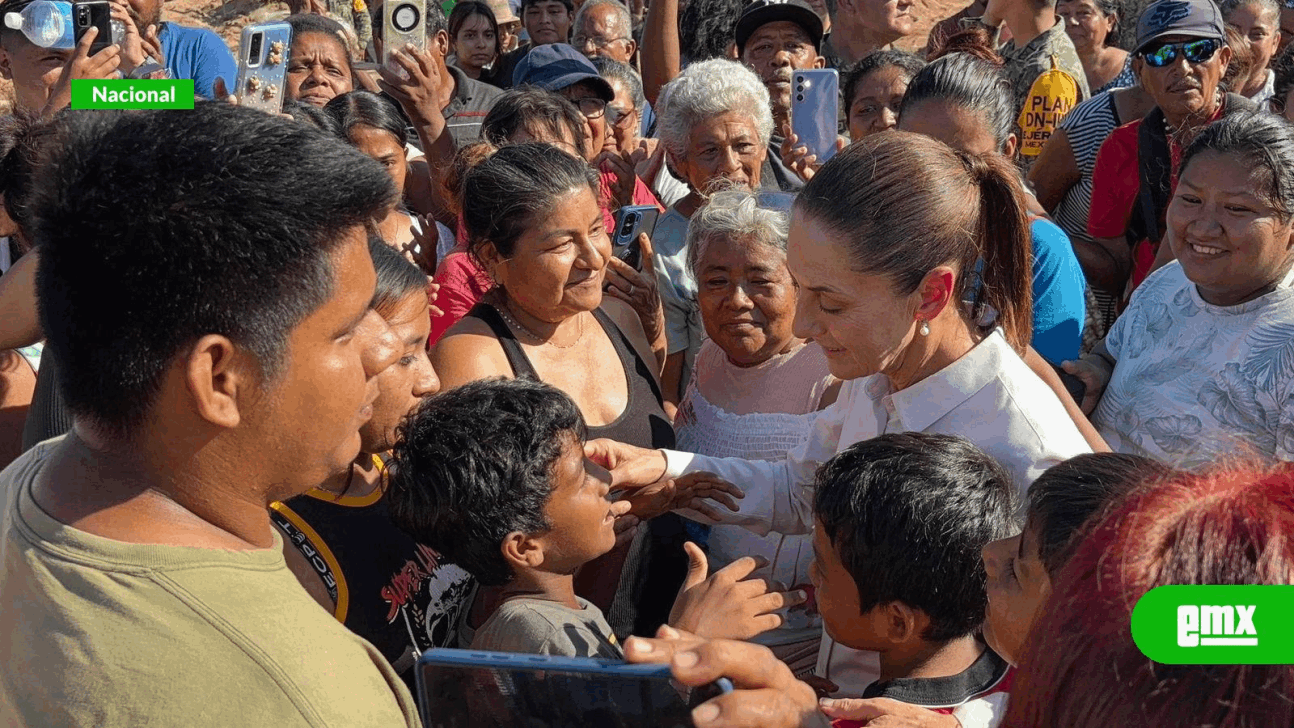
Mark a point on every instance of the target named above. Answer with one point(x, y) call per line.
point(387, 588)
point(643, 423)
point(656, 564)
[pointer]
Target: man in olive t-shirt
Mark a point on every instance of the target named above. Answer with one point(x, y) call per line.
point(141, 581)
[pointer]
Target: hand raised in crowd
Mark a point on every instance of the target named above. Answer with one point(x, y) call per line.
point(797, 158)
point(767, 695)
point(414, 79)
point(136, 50)
point(886, 713)
point(421, 251)
point(1094, 372)
point(81, 65)
point(688, 491)
point(649, 160)
point(622, 167)
point(637, 287)
point(729, 604)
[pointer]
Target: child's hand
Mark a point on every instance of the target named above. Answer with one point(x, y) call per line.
point(728, 605)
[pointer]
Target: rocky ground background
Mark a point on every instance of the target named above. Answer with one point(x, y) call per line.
point(228, 18)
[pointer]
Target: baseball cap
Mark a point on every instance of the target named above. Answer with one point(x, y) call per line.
point(554, 66)
point(762, 12)
point(1193, 18)
point(502, 10)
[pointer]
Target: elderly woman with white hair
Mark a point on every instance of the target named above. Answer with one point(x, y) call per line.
point(756, 386)
point(715, 123)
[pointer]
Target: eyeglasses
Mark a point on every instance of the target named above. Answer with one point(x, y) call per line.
point(1195, 51)
point(618, 116)
point(581, 41)
point(592, 107)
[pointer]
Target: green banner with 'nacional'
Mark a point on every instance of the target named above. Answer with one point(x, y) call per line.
point(132, 94)
point(1216, 625)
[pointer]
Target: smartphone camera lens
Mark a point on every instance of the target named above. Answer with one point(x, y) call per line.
point(405, 18)
point(799, 97)
point(254, 49)
point(630, 221)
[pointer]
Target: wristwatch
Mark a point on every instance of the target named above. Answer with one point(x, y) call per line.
point(146, 69)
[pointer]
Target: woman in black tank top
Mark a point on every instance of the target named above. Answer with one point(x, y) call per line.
point(534, 223)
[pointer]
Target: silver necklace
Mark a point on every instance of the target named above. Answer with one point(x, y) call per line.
point(517, 324)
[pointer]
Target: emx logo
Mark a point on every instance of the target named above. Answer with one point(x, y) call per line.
point(1216, 625)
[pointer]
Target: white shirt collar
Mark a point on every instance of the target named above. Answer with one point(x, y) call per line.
point(929, 400)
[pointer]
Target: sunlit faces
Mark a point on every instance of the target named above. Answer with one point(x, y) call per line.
point(547, 21)
point(476, 45)
point(837, 596)
point(1262, 27)
point(861, 322)
point(382, 146)
point(1018, 586)
point(580, 516)
point(776, 49)
point(598, 34)
point(407, 380)
point(558, 265)
point(1183, 89)
point(318, 69)
point(1087, 26)
point(747, 299)
point(622, 120)
point(954, 125)
point(876, 102)
point(886, 19)
point(593, 108)
point(33, 70)
point(312, 412)
point(1231, 242)
point(726, 147)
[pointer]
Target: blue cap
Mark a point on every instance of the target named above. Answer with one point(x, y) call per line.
point(555, 66)
point(1191, 18)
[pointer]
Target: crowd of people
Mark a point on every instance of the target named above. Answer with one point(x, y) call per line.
point(894, 438)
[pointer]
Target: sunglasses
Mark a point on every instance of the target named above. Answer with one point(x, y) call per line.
point(1195, 51)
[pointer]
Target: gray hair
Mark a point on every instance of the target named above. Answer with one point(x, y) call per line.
point(621, 13)
point(705, 90)
point(611, 69)
point(734, 215)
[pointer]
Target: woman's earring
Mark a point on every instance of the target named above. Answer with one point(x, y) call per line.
point(925, 328)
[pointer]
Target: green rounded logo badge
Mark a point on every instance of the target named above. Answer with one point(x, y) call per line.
point(1216, 625)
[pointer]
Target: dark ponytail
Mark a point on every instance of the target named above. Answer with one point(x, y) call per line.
point(1005, 245)
point(905, 204)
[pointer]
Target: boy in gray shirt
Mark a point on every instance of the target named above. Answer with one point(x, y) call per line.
point(493, 476)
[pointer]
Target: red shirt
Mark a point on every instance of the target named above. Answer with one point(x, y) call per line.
point(1115, 183)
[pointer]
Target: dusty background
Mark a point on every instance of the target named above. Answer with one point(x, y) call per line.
point(228, 18)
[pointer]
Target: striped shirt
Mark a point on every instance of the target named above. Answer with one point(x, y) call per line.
point(1087, 126)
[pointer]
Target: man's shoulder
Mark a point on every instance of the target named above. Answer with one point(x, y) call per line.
point(191, 35)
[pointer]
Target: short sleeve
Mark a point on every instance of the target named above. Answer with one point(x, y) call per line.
point(1059, 297)
point(460, 290)
point(1114, 184)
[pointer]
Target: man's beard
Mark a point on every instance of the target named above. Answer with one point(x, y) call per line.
point(143, 23)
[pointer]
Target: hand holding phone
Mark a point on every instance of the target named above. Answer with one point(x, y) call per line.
point(96, 14)
point(815, 104)
point(404, 23)
point(263, 66)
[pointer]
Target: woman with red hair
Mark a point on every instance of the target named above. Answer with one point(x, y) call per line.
point(1081, 668)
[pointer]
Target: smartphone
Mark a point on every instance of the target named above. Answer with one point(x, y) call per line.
point(263, 66)
point(631, 221)
point(87, 14)
point(404, 22)
point(476, 689)
point(815, 101)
